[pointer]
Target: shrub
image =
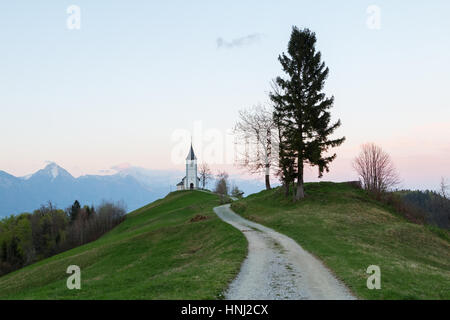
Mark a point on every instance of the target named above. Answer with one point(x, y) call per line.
point(239, 207)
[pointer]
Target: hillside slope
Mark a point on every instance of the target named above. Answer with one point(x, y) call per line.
point(349, 231)
point(158, 252)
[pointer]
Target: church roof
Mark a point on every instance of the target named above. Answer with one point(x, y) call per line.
point(191, 155)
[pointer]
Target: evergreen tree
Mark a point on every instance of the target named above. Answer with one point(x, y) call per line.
point(4, 252)
point(74, 210)
point(285, 161)
point(302, 108)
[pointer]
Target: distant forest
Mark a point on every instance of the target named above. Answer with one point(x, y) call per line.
point(435, 208)
point(30, 237)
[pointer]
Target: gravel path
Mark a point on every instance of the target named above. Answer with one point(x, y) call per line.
point(277, 267)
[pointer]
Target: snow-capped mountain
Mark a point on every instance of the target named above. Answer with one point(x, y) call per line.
point(52, 171)
point(55, 184)
point(134, 186)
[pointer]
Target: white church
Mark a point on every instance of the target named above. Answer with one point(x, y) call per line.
point(191, 181)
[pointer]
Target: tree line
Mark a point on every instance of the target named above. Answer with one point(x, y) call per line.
point(30, 237)
point(435, 206)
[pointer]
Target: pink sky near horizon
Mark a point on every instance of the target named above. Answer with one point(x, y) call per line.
point(421, 155)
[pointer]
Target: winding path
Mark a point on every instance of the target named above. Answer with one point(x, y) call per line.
point(277, 267)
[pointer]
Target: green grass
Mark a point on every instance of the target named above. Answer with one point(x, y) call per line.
point(156, 253)
point(349, 231)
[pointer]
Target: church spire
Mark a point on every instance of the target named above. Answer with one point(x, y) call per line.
point(191, 154)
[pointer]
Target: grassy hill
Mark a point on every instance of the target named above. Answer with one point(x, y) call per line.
point(168, 250)
point(349, 231)
point(165, 250)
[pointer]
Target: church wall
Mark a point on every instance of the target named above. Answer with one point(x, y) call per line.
point(191, 174)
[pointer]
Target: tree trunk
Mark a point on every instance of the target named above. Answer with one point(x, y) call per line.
point(286, 189)
point(267, 182)
point(293, 191)
point(300, 190)
point(267, 176)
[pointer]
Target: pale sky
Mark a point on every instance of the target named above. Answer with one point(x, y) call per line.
point(137, 72)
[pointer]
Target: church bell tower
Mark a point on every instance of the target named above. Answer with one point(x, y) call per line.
point(191, 181)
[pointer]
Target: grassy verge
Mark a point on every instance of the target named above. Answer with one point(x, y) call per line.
point(174, 248)
point(349, 231)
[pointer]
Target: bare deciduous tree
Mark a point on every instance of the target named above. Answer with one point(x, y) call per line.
point(222, 186)
point(256, 131)
point(376, 169)
point(205, 174)
point(236, 192)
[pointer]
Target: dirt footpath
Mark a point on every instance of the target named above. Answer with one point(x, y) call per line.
point(278, 268)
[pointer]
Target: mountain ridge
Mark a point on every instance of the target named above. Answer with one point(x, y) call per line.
point(134, 186)
point(54, 183)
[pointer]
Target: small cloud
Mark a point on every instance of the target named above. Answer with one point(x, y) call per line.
point(239, 42)
point(106, 172)
point(121, 167)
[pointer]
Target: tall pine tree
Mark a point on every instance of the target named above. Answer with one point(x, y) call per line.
point(74, 210)
point(301, 108)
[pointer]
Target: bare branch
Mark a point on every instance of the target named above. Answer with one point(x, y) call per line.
point(205, 174)
point(376, 169)
point(256, 131)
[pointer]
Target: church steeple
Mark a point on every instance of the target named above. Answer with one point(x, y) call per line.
point(191, 181)
point(191, 154)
